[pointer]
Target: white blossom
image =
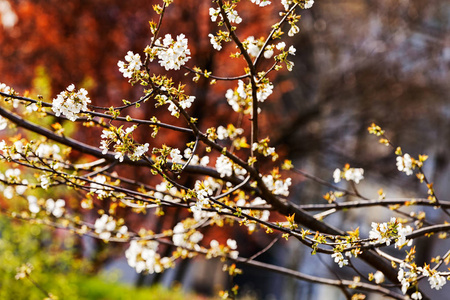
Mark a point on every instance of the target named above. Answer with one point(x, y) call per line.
point(139, 151)
point(173, 54)
point(176, 156)
point(337, 175)
point(292, 50)
point(45, 182)
point(349, 174)
point(33, 205)
point(71, 103)
point(186, 238)
point(3, 123)
point(5, 89)
point(214, 42)
point(281, 45)
point(261, 3)
point(55, 208)
point(378, 277)
point(402, 232)
point(131, 66)
point(268, 52)
point(98, 187)
point(436, 281)
point(264, 91)
point(224, 166)
point(354, 174)
point(339, 259)
point(214, 13)
point(47, 151)
point(307, 3)
point(378, 233)
point(8, 18)
point(416, 296)
point(277, 186)
point(143, 256)
point(252, 46)
point(104, 226)
point(294, 30)
point(404, 164)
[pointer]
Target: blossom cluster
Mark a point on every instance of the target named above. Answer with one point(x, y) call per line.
point(349, 174)
point(388, 231)
point(261, 3)
point(5, 89)
point(230, 11)
point(216, 249)
point(240, 99)
point(262, 215)
point(195, 160)
point(307, 4)
point(230, 132)
point(405, 164)
point(132, 65)
point(184, 103)
point(18, 185)
point(203, 190)
point(143, 256)
point(186, 237)
point(71, 103)
point(276, 185)
point(123, 143)
point(98, 186)
point(172, 54)
point(340, 259)
point(105, 226)
point(226, 167)
point(164, 192)
point(409, 274)
point(3, 123)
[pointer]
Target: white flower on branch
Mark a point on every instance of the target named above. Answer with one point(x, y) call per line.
point(176, 156)
point(224, 166)
point(3, 123)
point(48, 151)
point(402, 232)
point(405, 164)
point(106, 225)
point(5, 89)
point(139, 150)
point(294, 30)
point(173, 54)
point(349, 174)
point(33, 205)
point(416, 296)
point(97, 187)
point(185, 103)
point(70, 103)
point(339, 259)
point(392, 230)
point(131, 66)
point(436, 281)
point(45, 182)
point(253, 46)
point(143, 256)
point(277, 186)
point(232, 14)
point(185, 237)
point(214, 42)
point(261, 3)
point(306, 4)
point(55, 208)
point(378, 277)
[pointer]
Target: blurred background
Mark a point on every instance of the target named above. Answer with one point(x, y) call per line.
point(357, 62)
